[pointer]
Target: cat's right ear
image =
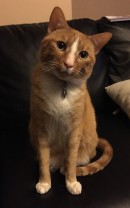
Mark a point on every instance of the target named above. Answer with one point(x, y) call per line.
point(57, 20)
point(100, 40)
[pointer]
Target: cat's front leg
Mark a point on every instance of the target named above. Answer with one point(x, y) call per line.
point(44, 183)
point(73, 186)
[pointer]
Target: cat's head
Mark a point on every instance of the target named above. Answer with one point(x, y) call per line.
point(67, 53)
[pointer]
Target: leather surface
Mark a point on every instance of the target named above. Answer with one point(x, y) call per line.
point(19, 45)
point(109, 188)
point(118, 49)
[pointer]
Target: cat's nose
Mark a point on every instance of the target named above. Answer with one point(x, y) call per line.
point(68, 65)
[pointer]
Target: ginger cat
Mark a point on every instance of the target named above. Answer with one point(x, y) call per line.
point(63, 125)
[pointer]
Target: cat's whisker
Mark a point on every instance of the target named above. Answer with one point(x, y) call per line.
point(78, 74)
point(53, 66)
point(48, 66)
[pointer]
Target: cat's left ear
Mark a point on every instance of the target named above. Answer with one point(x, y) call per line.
point(100, 40)
point(57, 20)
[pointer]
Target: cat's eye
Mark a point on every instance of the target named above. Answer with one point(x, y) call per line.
point(61, 45)
point(83, 54)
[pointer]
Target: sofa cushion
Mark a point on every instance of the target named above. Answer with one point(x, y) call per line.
point(118, 48)
point(120, 93)
point(19, 45)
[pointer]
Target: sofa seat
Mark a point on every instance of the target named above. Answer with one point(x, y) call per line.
point(106, 189)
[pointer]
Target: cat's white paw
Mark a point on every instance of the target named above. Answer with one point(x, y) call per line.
point(74, 187)
point(42, 188)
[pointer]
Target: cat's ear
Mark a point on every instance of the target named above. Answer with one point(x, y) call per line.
point(100, 40)
point(57, 20)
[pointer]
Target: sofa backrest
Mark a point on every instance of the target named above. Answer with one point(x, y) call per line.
point(118, 48)
point(19, 49)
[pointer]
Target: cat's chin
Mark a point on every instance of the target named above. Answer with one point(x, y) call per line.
point(62, 76)
point(70, 80)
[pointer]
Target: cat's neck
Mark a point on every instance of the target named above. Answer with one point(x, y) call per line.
point(61, 86)
point(66, 85)
point(64, 90)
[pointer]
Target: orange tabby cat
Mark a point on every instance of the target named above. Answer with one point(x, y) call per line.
point(62, 125)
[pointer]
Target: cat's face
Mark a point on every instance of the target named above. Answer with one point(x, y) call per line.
point(68, 54)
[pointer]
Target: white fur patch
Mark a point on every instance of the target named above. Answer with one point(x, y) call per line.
point(72, 55)
point(74, 187)
point(53, 92)
point(42, 188)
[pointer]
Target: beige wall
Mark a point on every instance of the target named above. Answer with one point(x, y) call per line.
point(28, 11)
point(97, 8)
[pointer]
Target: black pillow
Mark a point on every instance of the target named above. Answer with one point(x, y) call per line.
point(118, 48)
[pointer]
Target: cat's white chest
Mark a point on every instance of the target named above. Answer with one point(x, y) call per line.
point(59, 102)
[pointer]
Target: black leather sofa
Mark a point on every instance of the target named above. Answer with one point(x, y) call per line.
point(110, 188)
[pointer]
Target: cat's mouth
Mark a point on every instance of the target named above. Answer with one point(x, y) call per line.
point(63, 74)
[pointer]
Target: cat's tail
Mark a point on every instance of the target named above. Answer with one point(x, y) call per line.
point(99, 164)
